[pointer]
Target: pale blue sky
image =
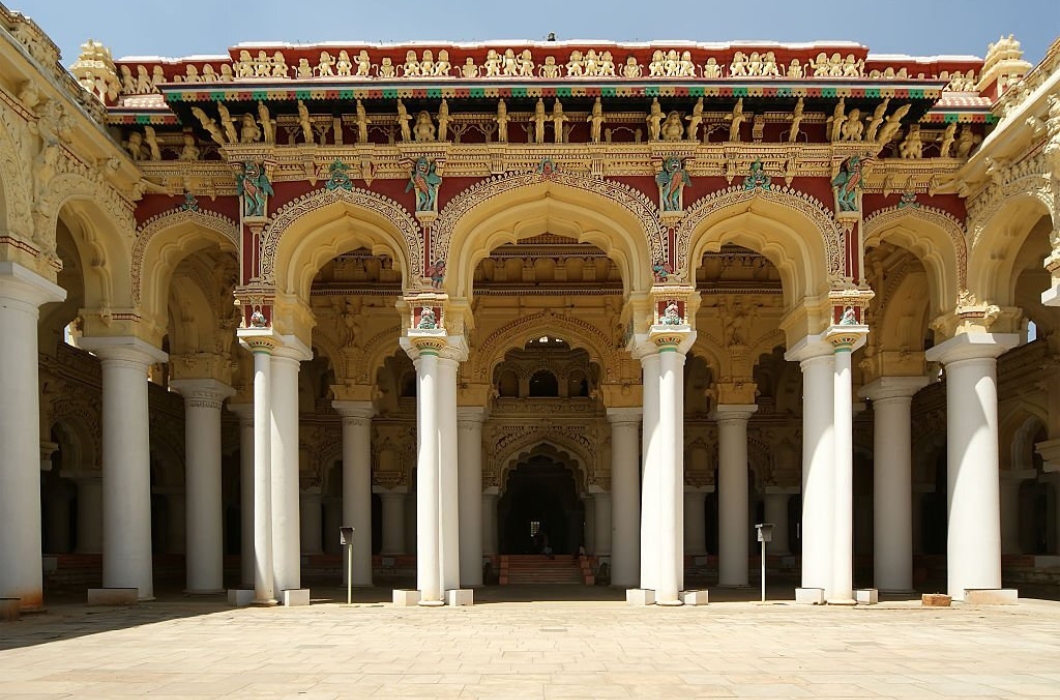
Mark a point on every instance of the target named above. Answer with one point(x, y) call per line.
point(186, 27)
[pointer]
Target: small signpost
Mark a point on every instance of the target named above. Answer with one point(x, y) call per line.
point(346, 539)
point(765, 534)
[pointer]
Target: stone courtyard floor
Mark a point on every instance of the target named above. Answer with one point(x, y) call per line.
point(562, 647)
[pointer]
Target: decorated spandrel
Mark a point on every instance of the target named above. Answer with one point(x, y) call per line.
point(847, 184)
point(254, 188)
point(425, 181)
point(672, 180)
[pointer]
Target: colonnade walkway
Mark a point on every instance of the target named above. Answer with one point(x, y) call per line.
point(192, 647)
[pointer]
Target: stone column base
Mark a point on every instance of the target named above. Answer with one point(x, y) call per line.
point(640, 596)
point(406, 598)
point(809, 596)
point(991, 596)
point(460, 597)
point(295, 597)
point(694, 597)
point(240, 597)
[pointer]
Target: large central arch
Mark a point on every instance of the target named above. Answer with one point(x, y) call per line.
point(620, 221)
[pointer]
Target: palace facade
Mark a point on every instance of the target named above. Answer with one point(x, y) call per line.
point(480, 300)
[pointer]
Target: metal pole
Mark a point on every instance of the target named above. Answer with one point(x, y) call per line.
point(763, 571)
point(349, 574)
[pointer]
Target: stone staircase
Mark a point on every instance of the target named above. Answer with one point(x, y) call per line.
point(537, 569)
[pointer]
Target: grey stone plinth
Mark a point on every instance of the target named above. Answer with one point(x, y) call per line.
point(460, 597)
point(240, 597)
point(694, 597)
point(640, 596)
point(404, 598)
point(113, 596)
point(295, 597)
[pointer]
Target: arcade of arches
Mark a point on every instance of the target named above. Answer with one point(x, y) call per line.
point(628, 327)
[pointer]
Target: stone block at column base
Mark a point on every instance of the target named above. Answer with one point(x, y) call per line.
point(640, 596)
point(867, 596)
point(113, 596)
point(935, 600)
point(295, 597)
point(991, 596)
point(809, 596)
point(694, 597)
point(460, 597)
point(9, 609)
point(405, 598)
point(240, 597)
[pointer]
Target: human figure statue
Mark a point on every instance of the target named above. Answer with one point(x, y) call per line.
point(190, 150)
point(558, 118)
point(362, 123)
point(443, 121)
point(671, 315)
point(502, 122)
point(403, 119)
point(695, 120)
point(304, 122)
point(655, 120)
point(837, 120)
point(947, 139)
point(249, 132)
point(737, 117)
point(539, 121)
point(428, 321)
point(596, 121)
point(268, 125)
point(152, 143)
point(424, 129)
point(796, 120)
point(672, 180)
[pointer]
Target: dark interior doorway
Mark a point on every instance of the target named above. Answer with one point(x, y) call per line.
point(540, 504)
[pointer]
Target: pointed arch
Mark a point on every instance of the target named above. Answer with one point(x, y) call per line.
point(316, 227)
point(998, 236)
point(618, 219)
point(792, 229)
point(544, 441)
point(936, 238)
point(166, 239)
point(514, 335)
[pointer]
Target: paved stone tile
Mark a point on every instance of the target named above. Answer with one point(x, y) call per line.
point(545, 650)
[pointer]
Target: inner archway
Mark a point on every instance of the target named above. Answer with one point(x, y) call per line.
point(540, 509)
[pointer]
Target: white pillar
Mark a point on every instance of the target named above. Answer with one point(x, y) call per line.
point(892, 480)
point(671, 452)
point(89, 515)
point(261, 344)
point(625, 495)
point(204, 517)
point(489, 521)
point(448, 454)
point(973, 545)
point(21, 294)
point(650, 466)
point(245, 412)
point(1011, 481)
point(733, 516)
point(393, 502)
point(843, 513)
point(695, 521)
point(357, 487)
point(311, 528)
point(469, 460)
point(777, 514)
point(818, 449)
point(428, 481)
point(286, 360)
point(602, 523)
point(126, 461)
